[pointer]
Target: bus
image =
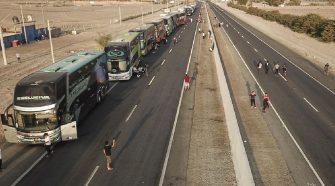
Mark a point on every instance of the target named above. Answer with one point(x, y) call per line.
point(169, 26)
point(147, 37)
point(160, 32)
point(181, 18)
point(123, 53)
point(53, 100)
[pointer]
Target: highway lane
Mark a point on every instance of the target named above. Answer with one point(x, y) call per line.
point(306, 105)
point(138, 114)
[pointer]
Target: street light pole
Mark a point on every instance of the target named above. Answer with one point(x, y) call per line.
point(142, 13)
point(45, 29)
point(24, 27)
point(51, 45)
point(120, 17)
point(3, 48)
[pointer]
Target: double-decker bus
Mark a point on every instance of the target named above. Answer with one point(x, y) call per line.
point(52, 100)
point(169, 25)
point(147, 37)
point(160, 32)
point(181, 20)
point(123, 53)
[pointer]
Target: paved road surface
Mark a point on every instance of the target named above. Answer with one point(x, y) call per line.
point(139, 115)
point(306, 103)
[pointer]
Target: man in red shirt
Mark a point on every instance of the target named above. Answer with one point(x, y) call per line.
point(266, 100)
point(186, 82)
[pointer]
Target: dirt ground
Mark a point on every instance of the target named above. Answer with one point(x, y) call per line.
point(317, 52)
point(88, 20)
point(324, 11)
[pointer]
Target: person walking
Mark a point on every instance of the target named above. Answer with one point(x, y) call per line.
point(266, 66)
point(266, 100)
point(108, 153)
point(18, 57)
point(209, 34)
point(47, 144)
point(253, 99)
point(284, 70)
point(0, 160)
point(326, 69)
point(186, 82)
point(259, 66)
point(276, 68)
point(203, 35)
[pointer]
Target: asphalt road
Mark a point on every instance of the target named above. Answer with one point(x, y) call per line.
point(139, 115)
point(305, 99)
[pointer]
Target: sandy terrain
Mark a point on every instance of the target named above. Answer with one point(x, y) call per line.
point(89, 20)
point(324, 11)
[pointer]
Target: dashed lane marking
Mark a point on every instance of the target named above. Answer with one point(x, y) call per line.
point(151, 80)
point(255, 50)
point(310, 104)
point(163, 62)
point(91, 176)
point(170, 51)
point(131, 113)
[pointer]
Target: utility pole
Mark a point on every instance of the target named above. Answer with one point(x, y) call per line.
point(3, 48)
point(24, 27)
point(142, 13)
point(120, 17)
point(51, 46)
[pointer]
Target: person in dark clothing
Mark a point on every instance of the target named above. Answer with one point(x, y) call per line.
point(266, 66)
point(253, 99)
point(284, 69)
point(266, 100)
point(108, 153)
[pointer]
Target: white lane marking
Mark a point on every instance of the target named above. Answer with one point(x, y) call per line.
point(91, 176)
point(170, 51)
point(111, 87)
point(28, 170)
point(324, 86)
point(310, 104)
point(248, 42)
point(265, 59)
point(242, 36)
point(274, 109)
point(151, 80)
point(161, 180)
point(163, 62)
point(255, 50)
point(282, 76)
point(238, 32)
point(131, 113)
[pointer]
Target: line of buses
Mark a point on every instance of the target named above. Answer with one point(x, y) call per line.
point(53, 99)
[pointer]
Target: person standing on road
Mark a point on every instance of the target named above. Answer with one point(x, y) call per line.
point(253, 99)
point(203, 35)
point(276, 69)
point(259, 66)
point(186, 82)
point(266, 66)
point(284, 69)
point(108, 153)
point(47, 144)
point(266, 100)
point(326, 69)
point(0, 160)
point(18, 57)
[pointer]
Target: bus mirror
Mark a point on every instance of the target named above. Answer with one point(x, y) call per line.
point(4, 119)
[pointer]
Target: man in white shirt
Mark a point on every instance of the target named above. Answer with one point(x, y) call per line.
point(47, 144)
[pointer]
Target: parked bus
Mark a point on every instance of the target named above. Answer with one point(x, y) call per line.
point(160, 32)
point(168, 22)
point(181, 18)
point(53, 99)
point(174, 17)
point(147, 37)
point(123, 53)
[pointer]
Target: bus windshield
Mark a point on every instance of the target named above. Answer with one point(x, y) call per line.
point(118, 59)
point(36, 121)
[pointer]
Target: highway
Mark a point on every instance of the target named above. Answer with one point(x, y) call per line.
point(304, 100)
point(139, 113)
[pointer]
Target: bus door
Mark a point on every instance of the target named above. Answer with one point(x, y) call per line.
point(9, 128)
point(69, 131)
